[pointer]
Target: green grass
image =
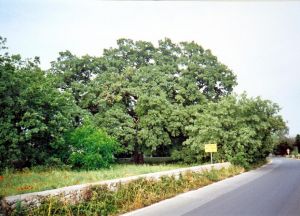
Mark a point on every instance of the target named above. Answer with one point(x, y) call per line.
point(100, 200)
point(31, 180)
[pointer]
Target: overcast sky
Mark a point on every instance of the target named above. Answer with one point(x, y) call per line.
point(259, 41)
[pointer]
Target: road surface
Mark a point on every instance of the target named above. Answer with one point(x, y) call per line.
point(269, 191)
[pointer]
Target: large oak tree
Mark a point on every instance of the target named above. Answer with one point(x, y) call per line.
point(144, 94)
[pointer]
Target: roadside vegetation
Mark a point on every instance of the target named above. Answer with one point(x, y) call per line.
point(39, 179)
point(288, 146)
point(134, 101)
point(100, 200)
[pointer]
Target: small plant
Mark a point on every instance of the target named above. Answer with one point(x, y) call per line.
point(91, 148)
point(19, 210)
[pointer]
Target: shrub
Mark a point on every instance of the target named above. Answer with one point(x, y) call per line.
point(241, 160)
point(54, 162)
point(91, 148)
point(295, 152)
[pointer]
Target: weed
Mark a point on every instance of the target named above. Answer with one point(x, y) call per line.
point(19, 210)
point(39, 179)
point(132, 195)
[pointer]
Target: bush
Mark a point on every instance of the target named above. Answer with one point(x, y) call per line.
point(188, 155)
point(91, 148)
point(240, 160)
point(54, 162)
point(295, 152)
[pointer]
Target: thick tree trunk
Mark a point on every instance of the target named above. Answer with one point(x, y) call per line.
point(138, 156)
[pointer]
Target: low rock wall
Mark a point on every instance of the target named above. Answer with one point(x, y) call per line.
point(75, 193)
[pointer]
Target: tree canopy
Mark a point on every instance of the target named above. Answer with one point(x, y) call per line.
point(142, 93)
point(162, 100)
point(33, 113)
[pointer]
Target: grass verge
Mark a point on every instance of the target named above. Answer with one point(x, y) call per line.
point(36, 179)
point(100, 200)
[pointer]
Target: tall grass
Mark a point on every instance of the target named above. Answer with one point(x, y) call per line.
point(100, 200)
point(39, 179)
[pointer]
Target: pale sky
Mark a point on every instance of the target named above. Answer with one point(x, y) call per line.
point(259, 41)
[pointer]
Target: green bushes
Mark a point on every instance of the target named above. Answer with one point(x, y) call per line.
point(295, 152)
point(91, 148)
point(240, 159)
point(100, 200)
point(245, 130)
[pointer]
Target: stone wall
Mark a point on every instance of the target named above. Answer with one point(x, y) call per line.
point(75, 193)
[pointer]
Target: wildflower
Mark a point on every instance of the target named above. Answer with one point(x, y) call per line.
point(1, 178)
point(25, 188)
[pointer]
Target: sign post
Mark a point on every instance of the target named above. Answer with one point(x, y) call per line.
point(211, 148)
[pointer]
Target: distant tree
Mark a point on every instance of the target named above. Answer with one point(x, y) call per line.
point(283, 144)
point(297, 141)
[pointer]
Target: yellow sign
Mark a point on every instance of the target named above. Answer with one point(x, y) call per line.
point(210, 147)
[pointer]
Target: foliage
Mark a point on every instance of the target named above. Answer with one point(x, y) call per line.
point(243, 128)
point(283, 144)
point(297, 141)
point(74, 74)
point(257, 164)
point(162, 100)
point(100, 200)
point(170, 99)
point(33, 113)
point(91, 148)
point(142, 94)
point(295, 152)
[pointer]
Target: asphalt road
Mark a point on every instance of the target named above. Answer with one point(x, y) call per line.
point(269, 191)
